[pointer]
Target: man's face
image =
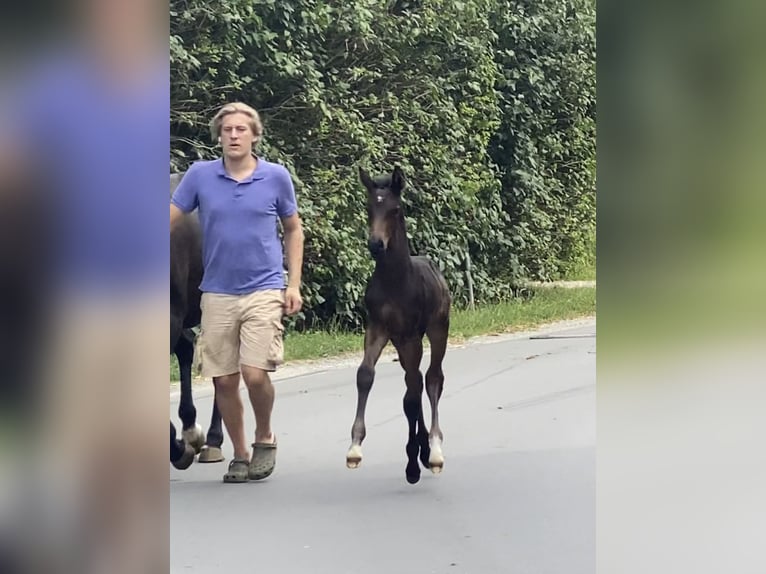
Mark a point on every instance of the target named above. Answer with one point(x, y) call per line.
point(236, 136)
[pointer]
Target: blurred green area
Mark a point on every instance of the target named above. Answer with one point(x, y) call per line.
point(681, 231)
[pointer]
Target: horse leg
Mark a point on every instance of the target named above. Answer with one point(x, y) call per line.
point(375, 340)
point(212, 452)
point(410, 354)
point(192, 431)
point(434, 387)
point(181, 453)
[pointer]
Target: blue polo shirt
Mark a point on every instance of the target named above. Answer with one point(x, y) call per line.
point(242, 252)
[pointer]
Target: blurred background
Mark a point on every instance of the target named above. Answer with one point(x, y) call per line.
point(682, 270)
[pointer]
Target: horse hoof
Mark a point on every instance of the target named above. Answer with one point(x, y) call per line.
point(210, 454)
point(413, 478)
point(354, 457)
point(436, 460)
point(187, 458)
point(195, 437)
point(412, 471)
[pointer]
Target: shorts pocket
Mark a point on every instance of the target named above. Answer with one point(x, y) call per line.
point(277, 347)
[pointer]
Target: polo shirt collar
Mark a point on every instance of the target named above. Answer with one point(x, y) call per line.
point(255, 176)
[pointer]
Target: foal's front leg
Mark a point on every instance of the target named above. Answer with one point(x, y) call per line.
point(410, 354)
point(192, 431)
point(375, 340)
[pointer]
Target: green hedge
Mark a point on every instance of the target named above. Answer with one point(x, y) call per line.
point(488, 105)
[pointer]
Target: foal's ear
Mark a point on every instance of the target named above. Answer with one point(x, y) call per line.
point(397, 181)
point(366, 179)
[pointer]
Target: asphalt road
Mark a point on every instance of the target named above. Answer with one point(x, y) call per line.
point(517, 494)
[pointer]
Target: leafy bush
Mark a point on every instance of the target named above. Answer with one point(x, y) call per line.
point(488, 105)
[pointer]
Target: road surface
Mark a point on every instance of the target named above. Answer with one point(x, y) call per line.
point(517, 494)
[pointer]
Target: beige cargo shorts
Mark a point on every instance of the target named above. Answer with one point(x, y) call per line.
point(241, 330)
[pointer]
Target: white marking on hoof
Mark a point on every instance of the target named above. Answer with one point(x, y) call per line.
point(210, 454)
point(436, 460)
point(354, 456)
point(195, 437)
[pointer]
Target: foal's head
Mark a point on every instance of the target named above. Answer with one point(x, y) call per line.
point(384, 209)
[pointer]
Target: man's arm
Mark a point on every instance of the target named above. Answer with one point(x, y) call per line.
point(185, 198)
point(287, 209)
point(175, 216)
point(294, 249)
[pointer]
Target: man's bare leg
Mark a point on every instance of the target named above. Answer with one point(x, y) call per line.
point(261, 392)
point(232, 412)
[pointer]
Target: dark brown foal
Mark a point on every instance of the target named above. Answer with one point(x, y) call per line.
point(406, 298)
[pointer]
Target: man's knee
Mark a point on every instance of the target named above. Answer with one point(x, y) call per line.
point(227, 383)
point(255, 378)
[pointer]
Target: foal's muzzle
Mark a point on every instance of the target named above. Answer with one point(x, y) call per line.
point(376, 247)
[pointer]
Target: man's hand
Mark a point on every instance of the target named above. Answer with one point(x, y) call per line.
point(293, 300)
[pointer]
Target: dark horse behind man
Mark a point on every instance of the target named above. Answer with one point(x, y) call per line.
point(407, 297)
point(185, 314)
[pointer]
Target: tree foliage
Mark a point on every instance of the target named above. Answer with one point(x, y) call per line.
point(488, 105)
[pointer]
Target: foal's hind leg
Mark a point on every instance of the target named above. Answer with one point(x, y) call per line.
point(434, 386)
point(375, 340)
point(410, 354)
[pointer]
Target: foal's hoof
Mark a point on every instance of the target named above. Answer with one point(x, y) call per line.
point(412, 472)
point(195, 437)
point(354, 457)
point(210, 454)
point(436, 463)
point(186, 459)
point(436, 459)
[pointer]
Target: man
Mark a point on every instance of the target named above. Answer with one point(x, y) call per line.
point(244, 295)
